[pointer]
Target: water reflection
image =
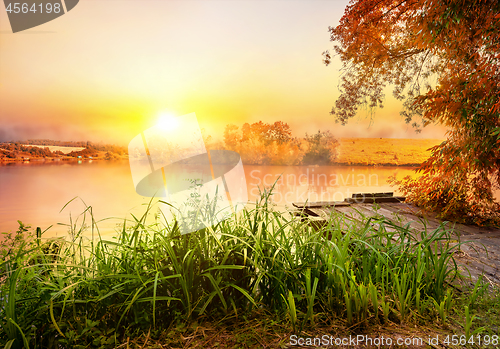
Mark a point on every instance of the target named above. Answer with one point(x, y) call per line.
point(322, 183)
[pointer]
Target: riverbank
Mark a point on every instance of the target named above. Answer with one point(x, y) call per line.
point(58, 159)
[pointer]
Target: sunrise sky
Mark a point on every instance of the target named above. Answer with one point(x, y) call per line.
point(107, 69)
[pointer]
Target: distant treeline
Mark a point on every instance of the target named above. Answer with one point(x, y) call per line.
point(272, 144)
point(12, 150)
point(81, 144)
point(23, 149)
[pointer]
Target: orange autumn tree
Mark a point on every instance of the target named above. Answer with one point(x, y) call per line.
point(264, 144)
point(443, 59)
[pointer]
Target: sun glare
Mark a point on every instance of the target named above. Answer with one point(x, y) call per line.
point(168, 122)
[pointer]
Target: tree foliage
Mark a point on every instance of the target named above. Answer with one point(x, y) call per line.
point(321, 149)
point(443, 59)
point(273, 144)
point(263, 144)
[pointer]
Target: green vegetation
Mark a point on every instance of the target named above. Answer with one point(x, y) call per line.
point(321, 149)
point(260, 267)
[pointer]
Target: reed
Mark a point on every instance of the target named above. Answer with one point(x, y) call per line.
point(151, 277)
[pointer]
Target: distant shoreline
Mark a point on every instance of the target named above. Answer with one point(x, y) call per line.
point(22, 152)
point(366, 152)
point(60, 159)
point(72, 159)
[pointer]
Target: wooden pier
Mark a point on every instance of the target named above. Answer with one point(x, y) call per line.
point(480, 255)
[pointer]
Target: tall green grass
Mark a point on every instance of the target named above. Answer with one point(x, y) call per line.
point(57, 293)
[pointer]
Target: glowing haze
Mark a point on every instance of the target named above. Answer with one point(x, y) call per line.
point(108, 69)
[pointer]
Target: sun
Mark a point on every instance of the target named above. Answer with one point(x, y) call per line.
point(168, 122)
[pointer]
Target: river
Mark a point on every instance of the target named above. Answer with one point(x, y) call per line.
point(36, 192)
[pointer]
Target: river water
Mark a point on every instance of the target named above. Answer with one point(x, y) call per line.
point(36, 192)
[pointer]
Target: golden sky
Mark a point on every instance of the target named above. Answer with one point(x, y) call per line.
point(106, 70)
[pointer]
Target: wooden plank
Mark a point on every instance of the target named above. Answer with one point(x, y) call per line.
point(318, 212)
point(368, 200)
point(372, 211)
point(344, 224)
point(377, 195)
point(325, 212)
point(350, 212)
point(408, 209)
point(423, 222)
point(320, 204)
point(364, 197)
point(359, 215)
point(310, 212)
point(400, 220)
